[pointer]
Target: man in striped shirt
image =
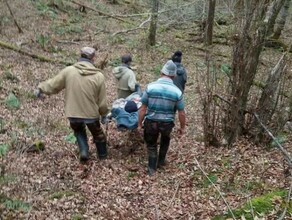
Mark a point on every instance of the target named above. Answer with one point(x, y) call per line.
point(160, 101)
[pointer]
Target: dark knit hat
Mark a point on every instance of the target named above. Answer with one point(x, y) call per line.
point(126, 58)
point(131, 106)
point(176, 57)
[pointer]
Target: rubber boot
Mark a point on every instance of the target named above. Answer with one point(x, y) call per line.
point(101, 150)
point(164, 144)
point(161, 157)
point(83, 146)
point(152, 163)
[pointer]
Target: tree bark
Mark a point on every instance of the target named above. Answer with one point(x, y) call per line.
point(153, 23)
point(273, 12)
point(210, 22)
point(267, 102)
point(280, 23)
point(246, 52)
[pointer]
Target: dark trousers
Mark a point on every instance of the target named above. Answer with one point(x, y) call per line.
point(94, 128)
point(152, 129)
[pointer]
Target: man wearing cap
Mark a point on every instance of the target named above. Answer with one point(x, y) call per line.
point(160, 101)
point(85, 100)
point(126, 78)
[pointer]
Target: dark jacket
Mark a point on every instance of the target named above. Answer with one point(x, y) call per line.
point(181, 77)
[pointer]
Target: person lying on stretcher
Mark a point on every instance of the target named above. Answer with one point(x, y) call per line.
point(125, 112)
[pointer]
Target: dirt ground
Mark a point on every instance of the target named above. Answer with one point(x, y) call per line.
point(53, 181)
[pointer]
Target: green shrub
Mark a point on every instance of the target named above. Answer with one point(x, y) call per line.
point(13, 204)
point(260, 205)
point(71, 138)
point(9, 203)
point(12, 101)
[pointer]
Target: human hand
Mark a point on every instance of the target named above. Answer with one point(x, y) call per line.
point(104, 120)
point(38, 93)
point(181, 132)
point(140, 130)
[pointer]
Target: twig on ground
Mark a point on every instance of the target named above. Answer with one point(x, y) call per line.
point(287, 202)
point(174, 194)
point(36, 56)
point(133, 29)
point(14, 19)
point(205, 174)
point(156, 212)
point(67, 42)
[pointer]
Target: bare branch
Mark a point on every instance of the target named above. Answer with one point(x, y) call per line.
point(286, 154)
point(100, 12)
point(287, 203)
point(127, 31)
point(221, 195)
point(15, 22)
point(133, 29)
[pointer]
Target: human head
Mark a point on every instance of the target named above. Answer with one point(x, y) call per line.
point(127, 59)
point(131, 106)
point(88, 52)
point(177, 56)
point(169, 69)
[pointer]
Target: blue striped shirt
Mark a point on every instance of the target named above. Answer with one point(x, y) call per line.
point(162, 98)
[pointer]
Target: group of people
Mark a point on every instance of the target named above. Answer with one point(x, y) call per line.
point(86, 103)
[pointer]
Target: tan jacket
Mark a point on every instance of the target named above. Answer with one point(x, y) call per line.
point(85, 94)
point(126, 78)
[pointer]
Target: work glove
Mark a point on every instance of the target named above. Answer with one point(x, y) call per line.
point(104, 120)
point(138, 89)
point(38, 93)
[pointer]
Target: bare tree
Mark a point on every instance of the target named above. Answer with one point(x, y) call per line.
point(253, 26)
point(280, 22)
point(153, 23)
point(269, 98)
point(273, 12)
point(210, 22)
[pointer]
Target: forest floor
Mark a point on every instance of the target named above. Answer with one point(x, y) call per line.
point(54, 185)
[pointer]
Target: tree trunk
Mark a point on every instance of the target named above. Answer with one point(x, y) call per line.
point(246, 52)
point(153, 23)
point(268, 100)
point(280, 23)
point(210, 22)
point(273, 12)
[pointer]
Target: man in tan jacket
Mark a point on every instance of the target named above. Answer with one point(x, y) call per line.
point(85, 100)
point(126, 78)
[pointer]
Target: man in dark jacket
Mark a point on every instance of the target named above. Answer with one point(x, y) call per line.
point(181, 74)
point(85, 100)
point(160, 101)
